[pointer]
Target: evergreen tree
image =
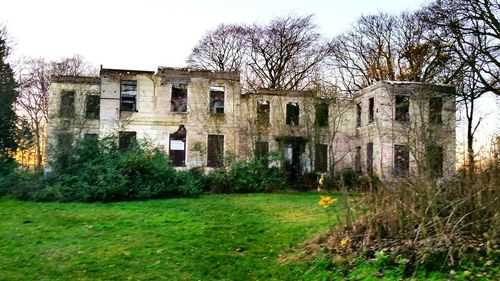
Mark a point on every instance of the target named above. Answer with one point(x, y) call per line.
point(8, 95)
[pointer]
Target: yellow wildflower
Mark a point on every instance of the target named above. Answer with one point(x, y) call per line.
point(344, 242)
point(327, 201)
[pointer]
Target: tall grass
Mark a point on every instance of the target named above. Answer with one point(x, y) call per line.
point(427, 221)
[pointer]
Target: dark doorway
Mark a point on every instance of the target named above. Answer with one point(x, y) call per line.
point(292, 148)
point(435, 158)
point(215, 151)
point(321, 157)
point(177, 147)
point(369, 158)
point(261, 152)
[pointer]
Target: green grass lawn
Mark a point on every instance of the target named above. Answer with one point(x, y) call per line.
point(213, 237)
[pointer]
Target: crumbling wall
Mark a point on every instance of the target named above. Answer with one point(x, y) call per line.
point(158, 116)
point(187, 106)
point(76, 125)
point(385, 131)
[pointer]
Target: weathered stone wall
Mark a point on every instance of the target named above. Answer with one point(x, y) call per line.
point(336, 135)
point(385, 132)
point(154, 119)
point(77, 126)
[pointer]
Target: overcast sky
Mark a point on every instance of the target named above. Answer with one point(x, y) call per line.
point(147, 34)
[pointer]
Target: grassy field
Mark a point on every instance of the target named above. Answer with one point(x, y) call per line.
point(213, 237)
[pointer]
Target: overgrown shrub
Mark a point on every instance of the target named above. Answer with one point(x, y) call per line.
point(20, 183)
point(245, 176)
point(96, 170)
point(431, 223)
point(351, 181)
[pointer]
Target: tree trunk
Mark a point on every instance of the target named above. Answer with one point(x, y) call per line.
point(38, 146)
point(470, 138)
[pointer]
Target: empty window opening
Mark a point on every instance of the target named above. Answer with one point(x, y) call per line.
point(66, 124)
point(435, 160)
point(261, 152)
point(402, 108)
point(126, 139)
point(92, 137)
point(401, 159)
point(177, 147)
point(67, 109)
point(321, 159)
point(263, 109)
point(292, 113)
point(64, 143)
point(92, 107)
point(322, 115)
point(217, 100)
point(128, 97)
point(371, 106)
point(357, 160)
point(358, 115)
point(215, 151)
point(435, 109)
point(369, 157)
point(178, 102)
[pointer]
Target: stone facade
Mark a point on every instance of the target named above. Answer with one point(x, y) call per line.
point(200, 117)
point(67, 115)
point(405, 127)
point(299, 125)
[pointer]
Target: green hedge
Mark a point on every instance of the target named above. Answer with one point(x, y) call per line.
point(96, 170)
point(245, 176)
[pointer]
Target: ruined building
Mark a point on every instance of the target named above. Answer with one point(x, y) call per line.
point(200, 117)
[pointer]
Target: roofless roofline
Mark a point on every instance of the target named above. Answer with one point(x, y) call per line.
point(76, 79)
point(166, 69)
point(442, 88)
point(189, 69)
point(273, 92)
point(126, 71)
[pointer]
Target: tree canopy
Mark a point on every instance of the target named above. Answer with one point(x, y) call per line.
point(280, 55)
point(8, 95)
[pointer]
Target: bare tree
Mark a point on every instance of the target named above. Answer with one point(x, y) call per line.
point(474, 28)
point(422, 55)
point(281, 55)
point(33, 100)
point(469, 90)
point(365, 54)
point(221, 49)
point(285, 53)
point(72, 66)
point(386, 47)
point(34, 80)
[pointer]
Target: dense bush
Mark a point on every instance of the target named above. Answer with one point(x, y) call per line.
point(351, 181)
point(20, 183)
point(245, 176)
point(96, 170)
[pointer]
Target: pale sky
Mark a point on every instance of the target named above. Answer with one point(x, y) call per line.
point(147, 34)
point(151, 33)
